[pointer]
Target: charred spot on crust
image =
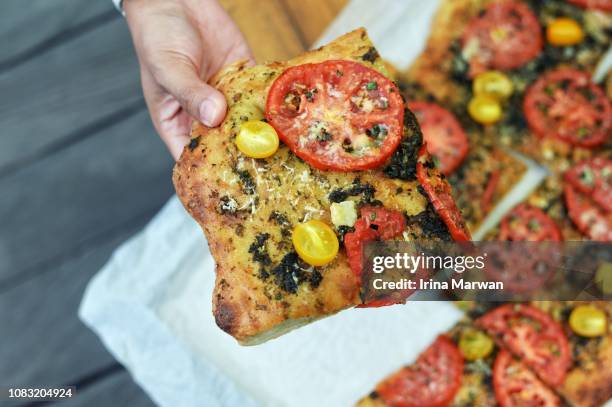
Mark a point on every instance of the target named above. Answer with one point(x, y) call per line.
point(402, 164)
point(371, 55)
point(225, 316)
point(356, 189)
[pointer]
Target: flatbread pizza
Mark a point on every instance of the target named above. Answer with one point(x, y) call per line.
point(286, 222)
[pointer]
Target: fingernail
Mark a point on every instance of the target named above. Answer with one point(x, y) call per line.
point(209, 111)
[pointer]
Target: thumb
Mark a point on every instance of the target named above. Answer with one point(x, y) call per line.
point(200, 100)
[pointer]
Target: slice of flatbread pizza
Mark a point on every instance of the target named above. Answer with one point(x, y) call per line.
point(544, 353)
point(286, 227)
point(463, 368)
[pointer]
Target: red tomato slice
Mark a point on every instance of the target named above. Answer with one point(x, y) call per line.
point(565, 103)
point(515, 385)
point(533, 336)
point(443, 134)
point(506, 35)
point(487, 195)
point(528, 223)
point(593, 178)
point(432, 381)
point(375, 223)
point(441, 197)
point(388, 223)
point(337, 115)
point(605, 5)
point(587, 216)
point(524, 272)
point(354, 241)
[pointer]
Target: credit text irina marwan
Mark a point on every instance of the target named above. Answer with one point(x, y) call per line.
point(455, 284)
point(405, 262)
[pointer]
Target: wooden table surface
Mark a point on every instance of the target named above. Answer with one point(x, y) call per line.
point(281, 29)
point(81, 170)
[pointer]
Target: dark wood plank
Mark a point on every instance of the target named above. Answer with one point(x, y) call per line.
point(118, 390)
point(44, 342)
point(66, 200)
point(37, 25)
point(67, 88)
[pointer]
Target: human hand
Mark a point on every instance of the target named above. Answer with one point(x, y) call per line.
point(180, 44)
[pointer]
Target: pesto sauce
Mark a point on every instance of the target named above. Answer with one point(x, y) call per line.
point(402, 164)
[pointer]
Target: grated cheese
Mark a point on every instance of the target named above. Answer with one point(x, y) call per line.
point(343, 213)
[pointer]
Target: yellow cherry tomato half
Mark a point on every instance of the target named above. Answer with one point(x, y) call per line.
point(588, 321)
point(493, 84)
point(485, 109)
point(315, 242)
point(257, 139)
point(564, 31)
point(475, 344)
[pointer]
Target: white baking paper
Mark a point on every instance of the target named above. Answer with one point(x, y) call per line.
point(151, 305)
